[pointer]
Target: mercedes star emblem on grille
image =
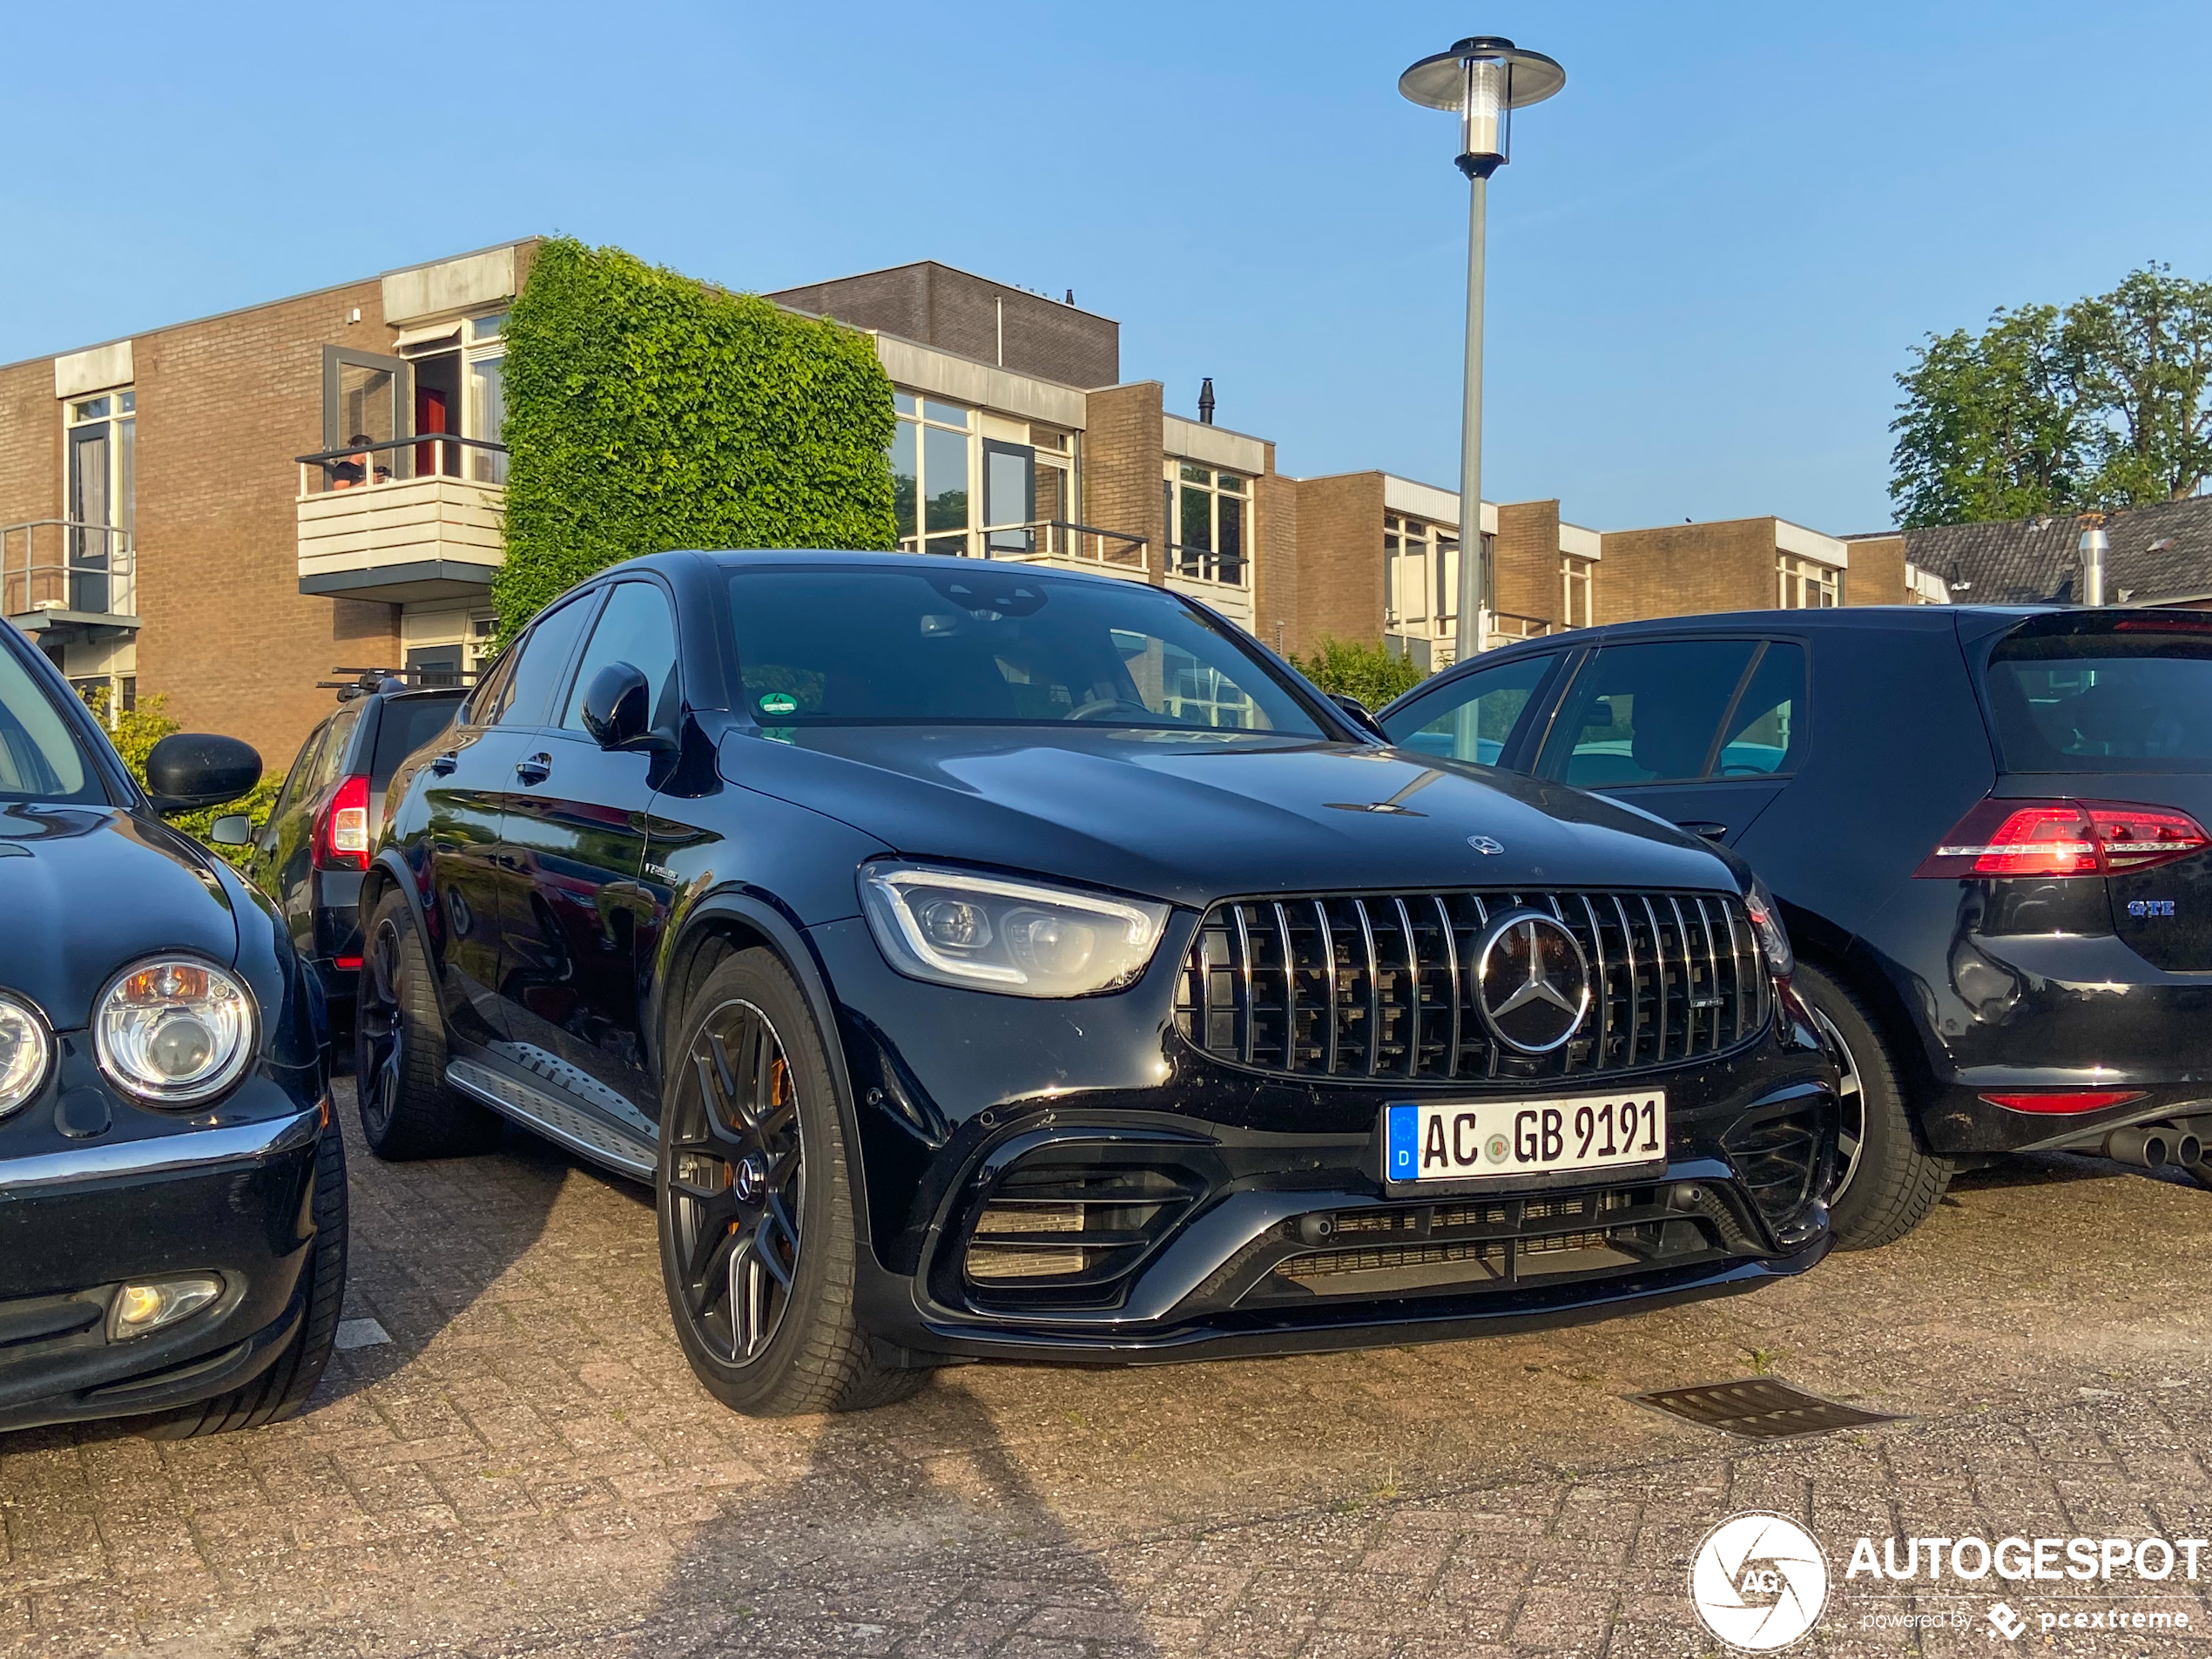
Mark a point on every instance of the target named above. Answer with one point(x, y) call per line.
point(1531, 981)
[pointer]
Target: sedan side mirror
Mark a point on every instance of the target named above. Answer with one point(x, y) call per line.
point(191, 770)
point(617, 704)
point(1361, 715)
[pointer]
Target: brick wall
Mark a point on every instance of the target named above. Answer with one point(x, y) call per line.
point(1123, 452)
point(223, 406)
point(1686, 569)
point(934, 305)
point(1342, 581)
point(1528, 560)
point(1276, 591)
point(1876, 573)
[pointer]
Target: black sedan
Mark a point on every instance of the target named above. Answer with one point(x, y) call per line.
point(173, 1185)
point(988, 962)
point(1986, 829)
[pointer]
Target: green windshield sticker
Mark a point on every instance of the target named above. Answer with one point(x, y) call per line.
point(778, 703)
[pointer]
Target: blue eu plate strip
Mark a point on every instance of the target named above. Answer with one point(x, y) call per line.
point(1402, 1148)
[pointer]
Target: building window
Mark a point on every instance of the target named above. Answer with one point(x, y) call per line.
point(1447, 578)
point(932, 458)
point(1408, 545)
point(1807, 584)
point(1575, 581)
point(484, 410)
point(1209, 519)
point(100, 437)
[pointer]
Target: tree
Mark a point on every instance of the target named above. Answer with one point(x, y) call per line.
point(2145, 356)
point(2105, 404)
point(1993, 426)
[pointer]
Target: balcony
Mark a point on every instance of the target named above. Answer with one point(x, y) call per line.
point(68, 583)
point(406, 520)
point(1223, 581)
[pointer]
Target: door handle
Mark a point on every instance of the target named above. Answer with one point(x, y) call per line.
point(444, 764)
point(534, 769)
point(1710, 831)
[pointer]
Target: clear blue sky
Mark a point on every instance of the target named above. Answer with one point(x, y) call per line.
point(1708, 258)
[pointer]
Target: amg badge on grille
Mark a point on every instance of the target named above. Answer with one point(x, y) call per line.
point(1531, 981)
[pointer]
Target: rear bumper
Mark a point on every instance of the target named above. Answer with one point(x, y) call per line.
point(337, 952)
point(78, 1222)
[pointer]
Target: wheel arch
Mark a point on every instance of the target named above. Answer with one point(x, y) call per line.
point(721, 925)
point(1855, 969)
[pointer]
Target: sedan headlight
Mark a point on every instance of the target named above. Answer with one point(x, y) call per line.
point(1766, 922)
point(173, 1031)
point(24, 1050)
point(1016, 937)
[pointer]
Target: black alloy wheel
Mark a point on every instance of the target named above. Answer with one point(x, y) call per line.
point(735, 1155)
point(759, 1239)
point(407, 1110)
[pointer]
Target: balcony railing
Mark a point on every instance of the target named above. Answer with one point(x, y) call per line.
point(58, 572)
point(406, 519)
point(1205, 565)
point(1044, 541)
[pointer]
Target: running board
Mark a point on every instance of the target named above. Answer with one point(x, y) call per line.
point(554, 1119)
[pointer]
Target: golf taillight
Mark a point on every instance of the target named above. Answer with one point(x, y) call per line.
point(2060, 838)
point(341, 828)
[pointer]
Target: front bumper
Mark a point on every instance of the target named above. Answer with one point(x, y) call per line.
point(148, 1199)
point(1243, 1214)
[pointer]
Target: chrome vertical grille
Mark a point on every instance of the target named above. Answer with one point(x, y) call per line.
point(1382, 985)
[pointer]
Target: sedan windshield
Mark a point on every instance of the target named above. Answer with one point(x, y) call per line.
point(1004, 646)
point(39, 756)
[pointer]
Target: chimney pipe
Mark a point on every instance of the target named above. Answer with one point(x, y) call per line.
point(2095, 545)
point(1205, 401)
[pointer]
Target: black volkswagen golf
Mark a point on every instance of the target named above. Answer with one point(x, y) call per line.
point(990, 961)
point(173, 1185)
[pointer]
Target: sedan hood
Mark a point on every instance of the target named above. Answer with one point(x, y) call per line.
point(1193, 818)
point(87, 890)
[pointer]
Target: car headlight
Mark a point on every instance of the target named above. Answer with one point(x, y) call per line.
point(173, 1031)
point(1766, 922)
point(1020, 938)
point(24, 1050)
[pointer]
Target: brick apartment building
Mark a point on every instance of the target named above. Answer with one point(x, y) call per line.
point(223, 511)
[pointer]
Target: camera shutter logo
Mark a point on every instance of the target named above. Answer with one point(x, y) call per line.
point(1759, 1581)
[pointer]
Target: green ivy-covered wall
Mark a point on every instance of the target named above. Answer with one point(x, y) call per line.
point(646, 411)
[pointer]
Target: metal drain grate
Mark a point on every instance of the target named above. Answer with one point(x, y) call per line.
point(1761, 1408)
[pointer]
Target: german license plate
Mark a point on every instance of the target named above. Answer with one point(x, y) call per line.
point(1455, 1140)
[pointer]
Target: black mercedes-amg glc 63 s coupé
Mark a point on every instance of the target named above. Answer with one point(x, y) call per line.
point(984, 961)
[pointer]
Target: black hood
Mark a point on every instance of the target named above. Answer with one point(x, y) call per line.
point(87, 890)
point(1195, 818)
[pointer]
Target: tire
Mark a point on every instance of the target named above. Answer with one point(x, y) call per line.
point(758, 1234)
point(1885, 1185)
point(282, 1390)
point(407, 1110)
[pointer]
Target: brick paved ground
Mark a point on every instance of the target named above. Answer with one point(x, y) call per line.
point(528, 1468)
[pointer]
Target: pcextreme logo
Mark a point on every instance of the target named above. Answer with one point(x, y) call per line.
point(1759, 1581)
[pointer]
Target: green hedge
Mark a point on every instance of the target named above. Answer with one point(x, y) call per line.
point(1368, 672)
point(646, 411)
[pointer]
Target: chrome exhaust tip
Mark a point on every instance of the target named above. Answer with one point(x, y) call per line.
point(2147, 1146)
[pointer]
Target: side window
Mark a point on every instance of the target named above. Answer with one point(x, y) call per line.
point(541, 659)
point(295, 781)
point(1473, 717)
point(1646, 714)
point(490, 695)
point(332, 756)
point(635, 628)
point(1765, 735)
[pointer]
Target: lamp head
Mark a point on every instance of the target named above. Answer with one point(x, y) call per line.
point(1484, 79)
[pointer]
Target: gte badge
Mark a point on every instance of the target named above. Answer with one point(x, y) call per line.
point(2150, 906)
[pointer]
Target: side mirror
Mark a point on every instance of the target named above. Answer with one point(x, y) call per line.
point(191, 770)
point(231, 829)
point(1359, 714)
point(617, 706)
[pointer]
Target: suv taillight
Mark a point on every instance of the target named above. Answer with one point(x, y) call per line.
point(341, 828)
point(2048, 837)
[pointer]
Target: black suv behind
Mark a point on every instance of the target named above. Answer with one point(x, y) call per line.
point(309, 856)
point(1985, 826)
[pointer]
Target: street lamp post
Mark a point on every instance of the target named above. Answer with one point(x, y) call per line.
point(1484, 80)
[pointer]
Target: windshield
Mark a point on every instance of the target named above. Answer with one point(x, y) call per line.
point(2130, 696)
point(39, 756)
point(1004, 646)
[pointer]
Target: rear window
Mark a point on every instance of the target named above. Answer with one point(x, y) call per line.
point(405, 724)
point(2091, 694)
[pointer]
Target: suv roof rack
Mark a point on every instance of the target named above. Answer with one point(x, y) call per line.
point(369, 682)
